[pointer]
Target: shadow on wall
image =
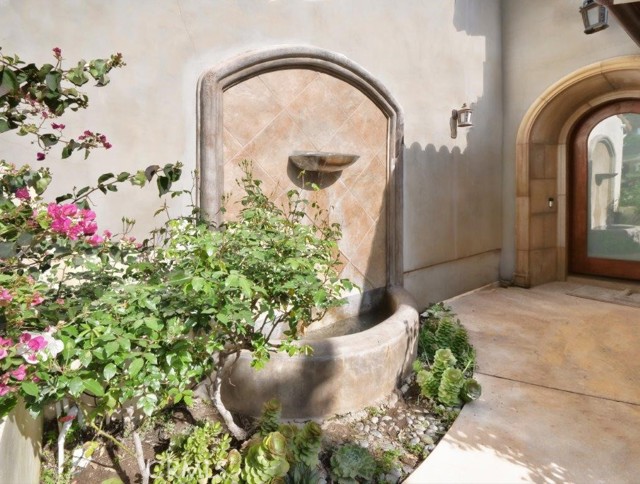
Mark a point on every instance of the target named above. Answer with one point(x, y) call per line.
point(453, 189)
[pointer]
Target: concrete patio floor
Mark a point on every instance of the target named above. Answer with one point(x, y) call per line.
point(561, 391)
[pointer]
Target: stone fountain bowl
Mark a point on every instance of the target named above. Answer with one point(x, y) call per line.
point(345, 373)
point(322, 161)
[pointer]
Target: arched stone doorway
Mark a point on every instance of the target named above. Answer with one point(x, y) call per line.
point(541, 162)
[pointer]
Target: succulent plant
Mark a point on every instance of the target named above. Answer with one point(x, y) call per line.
point(460, 343)
point(201, 455)
point(450, 386)
point(270, 418)
point(471, 390)
point(443, 359)
point(428, 384)
point(427, 345)
point(306, 444)
point(351, 462)
point(266, 460)
point(445, 332)
point(303, 474)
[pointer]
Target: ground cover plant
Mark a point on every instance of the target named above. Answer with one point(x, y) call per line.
point(446, 360)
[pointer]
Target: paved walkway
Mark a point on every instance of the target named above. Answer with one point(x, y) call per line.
point(561, 391)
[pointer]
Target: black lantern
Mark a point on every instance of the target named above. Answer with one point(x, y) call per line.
point(594, 16)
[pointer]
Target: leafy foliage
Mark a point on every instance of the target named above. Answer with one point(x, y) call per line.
point(135, 324)
point(202, 455)
point(445, 359)
point(32, 96)
point(441, 329)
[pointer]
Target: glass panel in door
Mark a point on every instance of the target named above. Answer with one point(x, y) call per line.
point(614, 188)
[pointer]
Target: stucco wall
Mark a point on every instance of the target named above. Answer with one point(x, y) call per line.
point(432, 56)
point(543, 42)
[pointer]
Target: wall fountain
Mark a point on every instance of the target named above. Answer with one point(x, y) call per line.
point(290, 109)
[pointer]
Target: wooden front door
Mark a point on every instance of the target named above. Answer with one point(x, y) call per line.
point(604, 188)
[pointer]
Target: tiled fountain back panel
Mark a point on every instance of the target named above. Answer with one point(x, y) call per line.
point(268, 117)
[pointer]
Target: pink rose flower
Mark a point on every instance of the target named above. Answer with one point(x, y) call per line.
point(57, 52)
point(5, 342)
point(3, 353)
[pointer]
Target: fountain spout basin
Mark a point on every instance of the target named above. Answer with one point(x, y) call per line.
point(344, 373)
point(322, 161)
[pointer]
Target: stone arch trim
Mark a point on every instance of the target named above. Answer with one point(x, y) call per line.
point(209, 149)
point(541, 162)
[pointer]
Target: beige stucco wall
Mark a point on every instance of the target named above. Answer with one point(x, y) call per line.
point(432, 56)
point(543, 42)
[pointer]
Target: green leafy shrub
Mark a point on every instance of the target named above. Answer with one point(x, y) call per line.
point(202, 455)
point(351, 464)
point(135, 324)
point(266, 460)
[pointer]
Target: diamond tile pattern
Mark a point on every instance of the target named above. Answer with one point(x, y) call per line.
point(268, 117)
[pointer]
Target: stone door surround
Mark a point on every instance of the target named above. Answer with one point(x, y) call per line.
point(542, 142)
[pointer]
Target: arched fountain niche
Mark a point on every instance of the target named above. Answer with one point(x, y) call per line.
point(292, 108)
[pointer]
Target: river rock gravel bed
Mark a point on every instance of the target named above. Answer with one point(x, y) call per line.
point(402, 431)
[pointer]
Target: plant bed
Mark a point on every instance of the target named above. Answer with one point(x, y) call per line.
point(398, 434)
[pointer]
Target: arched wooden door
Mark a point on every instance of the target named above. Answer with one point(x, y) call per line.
point(604, 229)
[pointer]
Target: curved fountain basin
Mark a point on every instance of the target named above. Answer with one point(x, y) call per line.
point(344, 374)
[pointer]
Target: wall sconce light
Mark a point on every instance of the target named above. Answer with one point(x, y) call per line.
point(594, 16)
point(460, 118)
